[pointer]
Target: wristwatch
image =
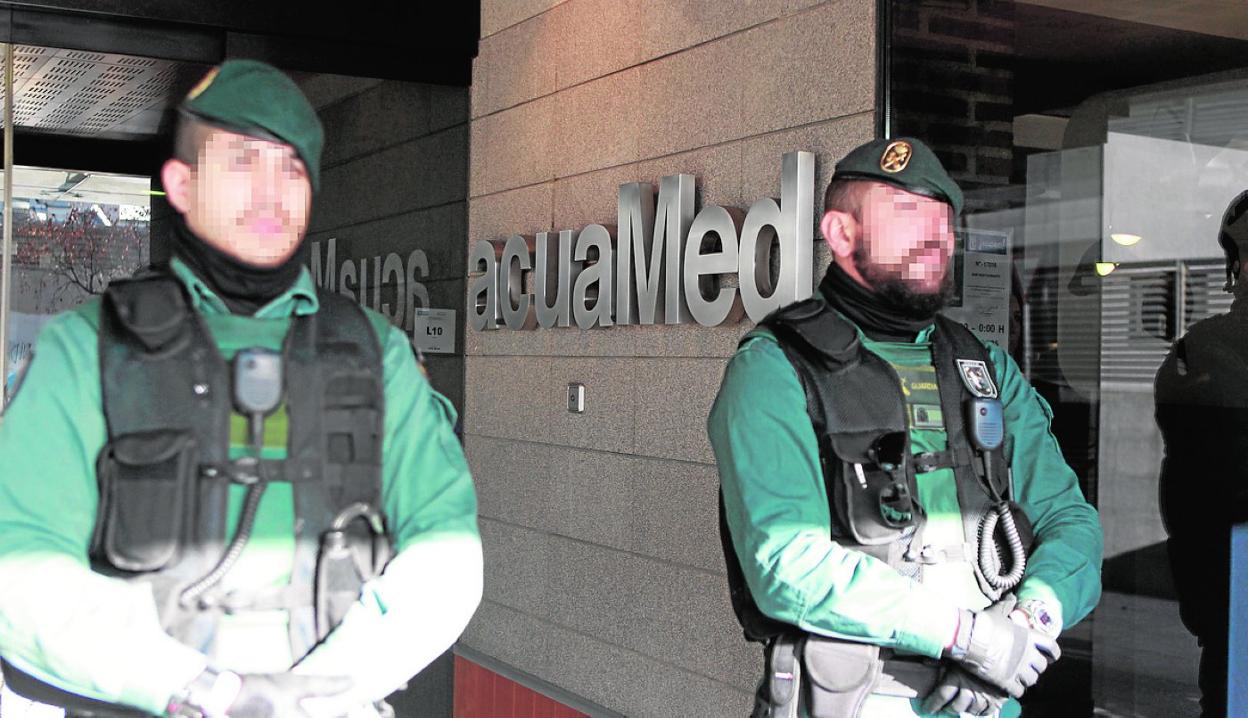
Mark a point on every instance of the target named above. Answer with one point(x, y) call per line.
point(209, 695)
point(1039, 618)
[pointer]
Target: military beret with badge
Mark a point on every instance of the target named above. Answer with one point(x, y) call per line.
point(256, 99)
point(903, 162)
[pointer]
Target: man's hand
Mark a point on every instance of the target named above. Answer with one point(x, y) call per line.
point(285, 695)
point(959, 692)
point(998, 650)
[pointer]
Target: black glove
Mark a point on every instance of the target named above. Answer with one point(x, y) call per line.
point(279, 695)
point(998, 650)
point(959, 692)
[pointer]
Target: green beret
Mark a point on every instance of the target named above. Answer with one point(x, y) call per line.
point(258, 100)
point(903, 162)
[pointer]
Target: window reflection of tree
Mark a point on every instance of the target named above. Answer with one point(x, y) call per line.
point(80, 251)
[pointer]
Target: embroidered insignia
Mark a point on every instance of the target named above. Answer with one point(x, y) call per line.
point(976, 378)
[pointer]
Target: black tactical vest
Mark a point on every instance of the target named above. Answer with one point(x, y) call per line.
point(165, 473)
point(854, 398)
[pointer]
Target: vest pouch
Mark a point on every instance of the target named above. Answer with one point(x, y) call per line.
point(840, 675)
point(145, 483)
point(870, 485)
point(871, 504)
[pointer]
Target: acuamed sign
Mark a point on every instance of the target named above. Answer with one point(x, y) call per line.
point(659, 264)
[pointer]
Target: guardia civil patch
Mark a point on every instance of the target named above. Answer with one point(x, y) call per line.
point(896, 157)
point(976, 378)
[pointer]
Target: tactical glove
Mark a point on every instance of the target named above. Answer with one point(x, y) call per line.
point(282, 695)
point(958, 693)
point(994, 648)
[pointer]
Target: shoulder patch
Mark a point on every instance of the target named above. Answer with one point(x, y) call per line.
point(977, 378)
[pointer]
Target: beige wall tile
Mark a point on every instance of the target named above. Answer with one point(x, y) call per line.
point(515, 65)
point(596, 38)
point(692, 99)
point(519, 211)
point(513, 148)
point(674, 399)
point(497, 15)
point(668, 613)
point(647, 506)
point(808, 67)
point(520, 397)
point(598, 123)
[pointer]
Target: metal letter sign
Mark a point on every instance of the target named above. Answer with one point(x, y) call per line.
point(790, 224)
point(517, 306)
point(710, 302)
point(553, 278)
point(483, 294)
point(663, 265)
point(591, 296)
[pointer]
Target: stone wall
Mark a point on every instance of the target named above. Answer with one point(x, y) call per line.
point(394, 182)
point(604, 574)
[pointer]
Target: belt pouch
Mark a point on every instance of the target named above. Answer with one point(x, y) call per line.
point(145, 486)
point(839, 676)
point(784, 675)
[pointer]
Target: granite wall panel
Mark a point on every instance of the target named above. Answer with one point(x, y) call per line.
point(605, 575)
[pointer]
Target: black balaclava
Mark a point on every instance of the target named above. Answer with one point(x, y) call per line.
point(883, 316)
point(243, 287)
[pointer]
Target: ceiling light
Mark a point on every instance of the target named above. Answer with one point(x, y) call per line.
point(1125, 240)
point(1105, 268)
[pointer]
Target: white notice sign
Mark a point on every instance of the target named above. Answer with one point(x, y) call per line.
point(434, 331)
point(983, 299)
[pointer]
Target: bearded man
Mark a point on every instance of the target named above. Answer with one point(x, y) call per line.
point(900, 529)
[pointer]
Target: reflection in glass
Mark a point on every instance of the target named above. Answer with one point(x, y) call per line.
point(1106, 142)
point(73, 233)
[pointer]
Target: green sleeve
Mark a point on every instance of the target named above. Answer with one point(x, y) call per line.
point(59, 621)
point(778, 515)
point(1064, 568)
point(423, 600)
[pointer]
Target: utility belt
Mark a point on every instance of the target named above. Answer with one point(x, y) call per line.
point(821, 677)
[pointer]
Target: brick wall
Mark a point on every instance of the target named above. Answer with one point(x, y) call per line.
point(604, 574)
point(482, 693)
point(953, 86)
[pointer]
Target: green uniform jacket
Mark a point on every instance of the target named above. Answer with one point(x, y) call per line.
point(777, 510)
point(100, 637)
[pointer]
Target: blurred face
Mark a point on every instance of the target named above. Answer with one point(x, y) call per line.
point(906, 237)
point(247, 197)
point(900, 244)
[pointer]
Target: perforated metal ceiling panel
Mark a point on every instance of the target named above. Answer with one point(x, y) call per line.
point(92, 94)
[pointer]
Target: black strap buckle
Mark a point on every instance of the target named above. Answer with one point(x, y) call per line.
point(933, 460)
